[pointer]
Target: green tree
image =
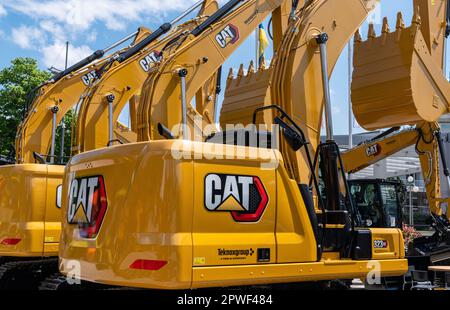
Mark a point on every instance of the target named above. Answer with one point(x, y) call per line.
point(69, 120)
point(16, 82)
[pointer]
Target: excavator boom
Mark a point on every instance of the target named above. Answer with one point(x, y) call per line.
point(122, 84)
point(53, 100)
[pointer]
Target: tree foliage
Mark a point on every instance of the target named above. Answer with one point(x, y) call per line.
point(69, 120)
point(16, 82)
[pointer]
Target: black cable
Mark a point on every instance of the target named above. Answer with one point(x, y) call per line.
point(422, 138)
point(269, 29)
point(447, 18)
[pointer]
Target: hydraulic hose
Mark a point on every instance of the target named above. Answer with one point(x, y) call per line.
point(163, 29)
point(215, 17)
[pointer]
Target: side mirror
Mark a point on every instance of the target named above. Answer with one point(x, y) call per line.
point(294, 140)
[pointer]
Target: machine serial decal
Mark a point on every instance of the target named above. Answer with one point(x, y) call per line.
point(243, 196)
point(147, 61)
point(87, 205)
point(88, 78)
point(380, 244)
point(373, 150)
point(234, 254)
point(228, 35)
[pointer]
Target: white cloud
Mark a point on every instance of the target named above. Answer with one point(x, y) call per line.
point(54, 55)
point(91, 37)
point(27, 37)
point(55, 31)
point(82, 14)
point(57, 21)
point(2, 10)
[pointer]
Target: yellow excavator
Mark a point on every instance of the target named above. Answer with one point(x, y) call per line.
point(29, 236)
point(172, 213)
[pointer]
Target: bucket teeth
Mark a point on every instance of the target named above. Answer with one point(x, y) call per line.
point(358, 38)
point(230, 74)
point(262, 65)
point(251, 68)
point(230, 77)
point(372, 34)
point(416, 17)
point(400, 22)
point(385, 28)
point(416, 21)
point(241, 71)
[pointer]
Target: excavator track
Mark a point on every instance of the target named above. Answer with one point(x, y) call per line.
point(58, 282)
point(26, 274)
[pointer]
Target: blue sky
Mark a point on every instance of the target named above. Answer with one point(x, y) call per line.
point(40, 28)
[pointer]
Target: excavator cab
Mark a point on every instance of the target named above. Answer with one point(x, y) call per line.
point(378, 203)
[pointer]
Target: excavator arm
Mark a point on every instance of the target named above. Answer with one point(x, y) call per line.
point(377, 149)
point(203, 51)
point(53, 100)
point(122, 84)
point(425, 139)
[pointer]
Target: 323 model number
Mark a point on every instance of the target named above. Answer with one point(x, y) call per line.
point(246, 299)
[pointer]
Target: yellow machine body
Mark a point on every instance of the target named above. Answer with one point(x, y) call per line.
point(30, 221)
point(196, 247)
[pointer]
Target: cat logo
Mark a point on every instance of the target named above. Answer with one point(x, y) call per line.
point(373, 150)
point(87, 205)
point(243, 196)
point(88, 78)
point(228, 35)
point(147, 61)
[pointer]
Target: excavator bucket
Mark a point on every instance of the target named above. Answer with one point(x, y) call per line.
point(396, 81)
point(244, 94)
